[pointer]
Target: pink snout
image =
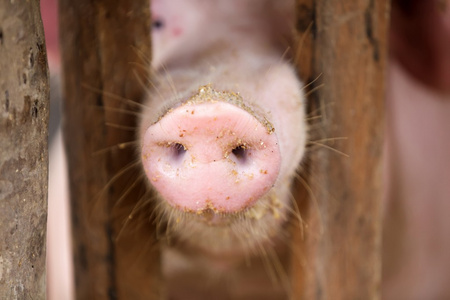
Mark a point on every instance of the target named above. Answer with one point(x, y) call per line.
point(211, 155)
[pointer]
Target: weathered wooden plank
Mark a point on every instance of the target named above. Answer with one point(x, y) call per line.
point(24, 111)
point(103, 44)
point(338, 255)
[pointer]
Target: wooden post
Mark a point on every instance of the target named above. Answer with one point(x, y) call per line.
point(339, 254)
point(24, 111)
point(103, 44)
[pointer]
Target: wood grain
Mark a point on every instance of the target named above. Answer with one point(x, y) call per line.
point(338, 254)
point(105, 44)
point(24, 113)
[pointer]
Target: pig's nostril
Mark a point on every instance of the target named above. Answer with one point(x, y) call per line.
point(211, 158)
point(240, 153)
point(177, 151)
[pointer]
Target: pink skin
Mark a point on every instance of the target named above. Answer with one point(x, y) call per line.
point(275, 92)
point(215, 90)
point(166, 42)
point(210, 132)
point(182, 29)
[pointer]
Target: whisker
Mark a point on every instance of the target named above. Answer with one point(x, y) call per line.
point(320, 110)
point(339, 138)
point(155, 89)
point(119, 146)
point(170, 226)
point(316, 130)
point(139, 205)
point(285, 53)
point(113, 96)
point(245, 246)
point(129, 189)
point(314, 112)
point(316, 88)
point(141, 66)
point(143, 56)
point(282, 57)
point(128, 128)
point(156, 216)
point(329, 148)
point(143, 85)
point(125, 169)
point(157, 213)
point(300, 43)
point(295, 211)
point(111, 181)
point(170, 81)
point(279, 269)
point(313, 118)
point(119, 110)
point(313, 198)
point(311, 82)
point(266, 262)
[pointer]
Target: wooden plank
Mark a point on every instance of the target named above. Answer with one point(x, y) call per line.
point(337, 256)
point(24, 112)
point(104, 43)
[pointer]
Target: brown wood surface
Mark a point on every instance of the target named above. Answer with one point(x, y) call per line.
point(338, 254)
point(24, 111)
point(104, 43)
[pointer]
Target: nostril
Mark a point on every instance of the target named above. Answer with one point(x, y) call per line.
point(240, 153)
point(219, 159)
point(177, 151)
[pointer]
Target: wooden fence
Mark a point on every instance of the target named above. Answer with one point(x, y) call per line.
point(24, 113)
point(337, 256)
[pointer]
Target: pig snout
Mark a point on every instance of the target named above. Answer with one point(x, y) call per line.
point(211, 155)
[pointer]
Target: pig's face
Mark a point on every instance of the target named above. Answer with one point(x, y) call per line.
point(174, 25)
point(223, 130)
